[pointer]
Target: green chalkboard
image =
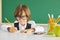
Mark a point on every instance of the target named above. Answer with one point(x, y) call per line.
point(39, 9)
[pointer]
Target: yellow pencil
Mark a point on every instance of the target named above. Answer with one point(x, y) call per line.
point(8, 22)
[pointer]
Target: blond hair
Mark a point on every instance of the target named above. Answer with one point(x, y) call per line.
point(18, 12)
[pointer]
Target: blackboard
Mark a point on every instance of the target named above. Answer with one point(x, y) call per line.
point(39, 9)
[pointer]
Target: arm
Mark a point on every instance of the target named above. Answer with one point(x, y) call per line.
point(5, 26)
point(32, 29)
point(12, 29)
point(28, 30)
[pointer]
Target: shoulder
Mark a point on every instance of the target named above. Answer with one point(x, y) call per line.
point(16, 21)
point(33, 24)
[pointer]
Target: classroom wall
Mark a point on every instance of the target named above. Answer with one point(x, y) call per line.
point(39, 9)
point(0, 11)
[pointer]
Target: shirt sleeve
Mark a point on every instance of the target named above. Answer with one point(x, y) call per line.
point(39, 29)
point(5, 26)
point(33, 24)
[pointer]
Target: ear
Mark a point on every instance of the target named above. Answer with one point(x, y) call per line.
point(52, 16)
point(49, 15)
point(59, 16)
point(58, 19)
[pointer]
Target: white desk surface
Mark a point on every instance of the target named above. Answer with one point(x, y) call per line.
point(22, 36)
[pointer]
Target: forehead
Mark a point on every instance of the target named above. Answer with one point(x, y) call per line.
point(23, 13)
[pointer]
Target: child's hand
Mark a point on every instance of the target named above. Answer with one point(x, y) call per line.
point(30, 30)
point(27, 31)
point(23, 31)
point(12, 29)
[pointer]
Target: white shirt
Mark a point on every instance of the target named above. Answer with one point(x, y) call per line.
point(33, 25)
point(22, 27)
point(5, 26)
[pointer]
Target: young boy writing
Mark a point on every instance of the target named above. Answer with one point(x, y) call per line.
point(23, 23)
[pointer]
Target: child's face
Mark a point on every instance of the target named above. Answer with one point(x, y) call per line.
point(23, 19)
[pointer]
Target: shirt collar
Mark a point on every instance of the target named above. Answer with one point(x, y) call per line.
point(22, 27)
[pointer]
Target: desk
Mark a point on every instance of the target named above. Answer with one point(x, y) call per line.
point(23, 36)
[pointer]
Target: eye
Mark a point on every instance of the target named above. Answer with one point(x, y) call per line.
point(17, 18)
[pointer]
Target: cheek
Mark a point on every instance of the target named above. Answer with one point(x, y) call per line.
point(25, 20)
point(22, 21)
